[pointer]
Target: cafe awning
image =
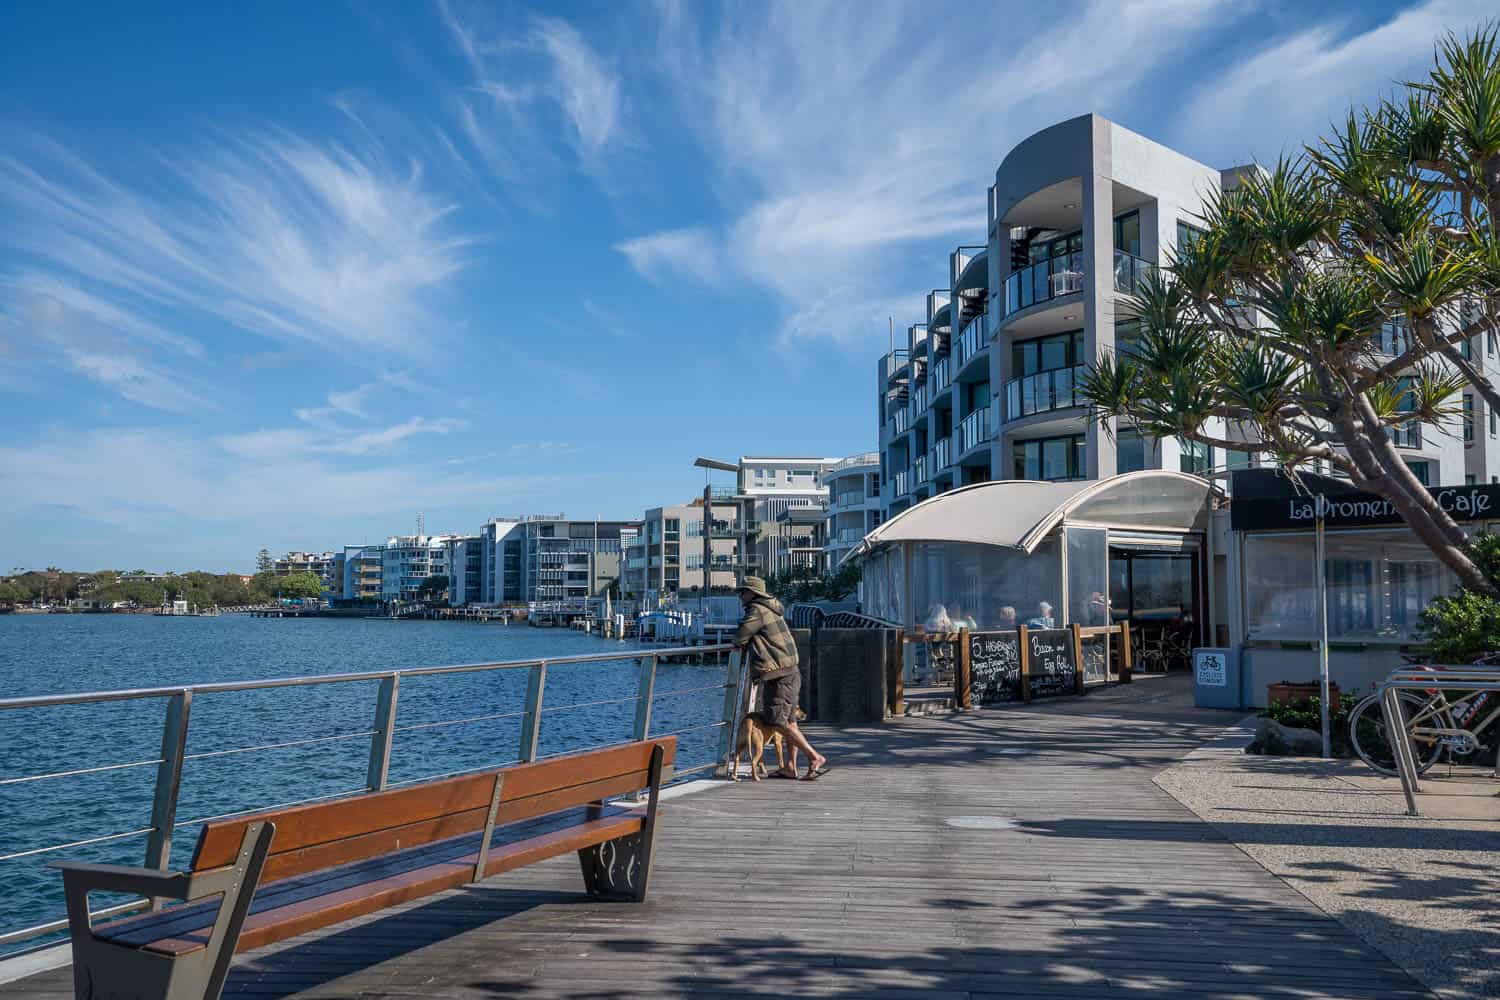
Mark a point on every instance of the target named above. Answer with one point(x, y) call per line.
point(1020, 513)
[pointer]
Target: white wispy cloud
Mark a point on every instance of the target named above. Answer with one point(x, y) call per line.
point(513, 76)
point(124, 476)
point(1285, 93)
point(372, 441)
point(140, 382)
point(341, 246)
point(849, 135)
point(691, 253)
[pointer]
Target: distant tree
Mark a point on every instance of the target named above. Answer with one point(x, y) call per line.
point(303, 585)
point(263, 561)
point(433, 588)
point(11, 593)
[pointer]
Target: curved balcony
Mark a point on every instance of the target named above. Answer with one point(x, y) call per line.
point(975, 430)
point(1044, 281)
point(1131, 272)
point(972, 341)
point(1042, 392)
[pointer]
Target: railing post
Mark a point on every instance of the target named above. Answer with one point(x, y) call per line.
point(645, 692)
point(1401, 749)
point(174, 732)
point(1127, 662)
point(733, 683)
point(531, 721)
point(385, 730)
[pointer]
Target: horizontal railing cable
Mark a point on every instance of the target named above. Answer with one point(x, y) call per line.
point(53, 926)
point(589, 704)
point(277, 746)
point(278, 805)
point(711, 687)
point(81, 770)
point(76, 843)
point(456, 722)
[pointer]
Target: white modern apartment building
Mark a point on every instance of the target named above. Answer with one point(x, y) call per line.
point(465, 561)
point(666, 556)
point(548, 558)
point(984, 389)
point(408, 560)
point(853, 505)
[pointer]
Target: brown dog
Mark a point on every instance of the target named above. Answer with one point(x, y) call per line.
point(753, 735)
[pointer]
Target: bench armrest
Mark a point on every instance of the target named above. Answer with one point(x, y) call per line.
point(125, 878)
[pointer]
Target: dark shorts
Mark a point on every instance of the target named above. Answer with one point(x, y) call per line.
point(778, 698)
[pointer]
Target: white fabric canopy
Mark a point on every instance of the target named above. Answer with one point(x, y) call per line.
point(1019, 513)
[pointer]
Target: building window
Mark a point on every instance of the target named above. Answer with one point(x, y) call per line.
point(1236, 459)
point(1052, 459)
point(1468, 480)
point(1492, 421)
point(1423, 472)
point(1188, 235)
point(1128, 233)
point(1197, 457)
point(1045, 354)
point(1130, 452)
point(1127, 337)
point(1468, 418)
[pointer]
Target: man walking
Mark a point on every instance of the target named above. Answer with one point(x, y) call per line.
point(771, 656)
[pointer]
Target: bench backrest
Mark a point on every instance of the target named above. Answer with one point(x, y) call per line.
point(313, 837)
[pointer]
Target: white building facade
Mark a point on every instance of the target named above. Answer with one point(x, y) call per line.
point(853, 505)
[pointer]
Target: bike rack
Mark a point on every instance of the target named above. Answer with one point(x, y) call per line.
point(1464, 678)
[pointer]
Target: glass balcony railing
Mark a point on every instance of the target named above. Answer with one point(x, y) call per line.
point(941, 376)
point(919, 469)
point(1043, 281)
point(848, 536)
point(901, 482)
point(975, 429)
point(903, 420)
point(942, 454)
point(972, 340)
point(1042, 391)
point(1131, 272)
point(894, 361)
point(1407, 435)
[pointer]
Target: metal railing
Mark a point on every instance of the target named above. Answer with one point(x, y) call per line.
point(941, 375)
point(1469, 679)
point(942, 453)
point(1042, 391)
point(166, 791)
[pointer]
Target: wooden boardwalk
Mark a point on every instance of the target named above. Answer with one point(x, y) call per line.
point(1095, 884)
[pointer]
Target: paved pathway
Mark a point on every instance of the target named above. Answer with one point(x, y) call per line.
point(888, 876)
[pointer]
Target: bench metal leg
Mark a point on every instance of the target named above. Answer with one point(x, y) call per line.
point(103, 970)
point(621, 868)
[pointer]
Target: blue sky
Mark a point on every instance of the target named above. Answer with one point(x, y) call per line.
point(284, 275)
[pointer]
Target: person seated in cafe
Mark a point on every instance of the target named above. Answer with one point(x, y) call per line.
point(1007, 618)
point(938, 622)
point(1096, 612)
point(1043, 617)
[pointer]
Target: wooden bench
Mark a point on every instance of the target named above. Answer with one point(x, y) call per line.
point(265, 877)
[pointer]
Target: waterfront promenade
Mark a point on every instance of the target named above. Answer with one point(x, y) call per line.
point(1022, 852)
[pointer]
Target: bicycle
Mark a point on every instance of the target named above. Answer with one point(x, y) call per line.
point(1437, 727)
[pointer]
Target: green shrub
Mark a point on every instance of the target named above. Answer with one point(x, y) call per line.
point(1306, 713)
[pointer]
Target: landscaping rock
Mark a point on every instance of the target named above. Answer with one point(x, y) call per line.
point(1271, 737)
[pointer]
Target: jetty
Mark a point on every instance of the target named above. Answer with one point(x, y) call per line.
point(1021, 851)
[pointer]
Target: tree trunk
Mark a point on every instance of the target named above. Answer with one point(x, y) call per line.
point(1417, 507)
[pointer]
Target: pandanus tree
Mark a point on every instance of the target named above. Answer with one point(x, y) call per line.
point(1330, 300)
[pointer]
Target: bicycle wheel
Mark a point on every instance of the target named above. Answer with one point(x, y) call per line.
point(1368, 737)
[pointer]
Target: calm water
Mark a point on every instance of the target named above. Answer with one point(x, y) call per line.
point(46, 654)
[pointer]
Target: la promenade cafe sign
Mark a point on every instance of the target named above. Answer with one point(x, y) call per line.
point(1357, 510)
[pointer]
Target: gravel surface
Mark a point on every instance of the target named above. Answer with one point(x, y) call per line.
point(1426, 892)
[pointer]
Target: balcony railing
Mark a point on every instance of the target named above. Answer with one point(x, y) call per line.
point(942, 454)
point(894, 361)
point(941, 376)
point(1131, 272)
point(903, 420)
point(901, 482)
point(848, 536)
point(919, 469)
point(848, 501)
point(1043, 391)
point(1043, 281)
point(975, 428)
point(972, 340)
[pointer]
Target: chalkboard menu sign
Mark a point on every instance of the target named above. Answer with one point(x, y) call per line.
point(1053, 667)
point(994, 667)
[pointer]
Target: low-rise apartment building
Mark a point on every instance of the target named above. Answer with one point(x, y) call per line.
point(985, 388)
point(548, 558)
point(363, 569)
point(853, 505)
point(408, 561)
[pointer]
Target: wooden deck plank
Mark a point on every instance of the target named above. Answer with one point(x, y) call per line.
point(856, 884)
